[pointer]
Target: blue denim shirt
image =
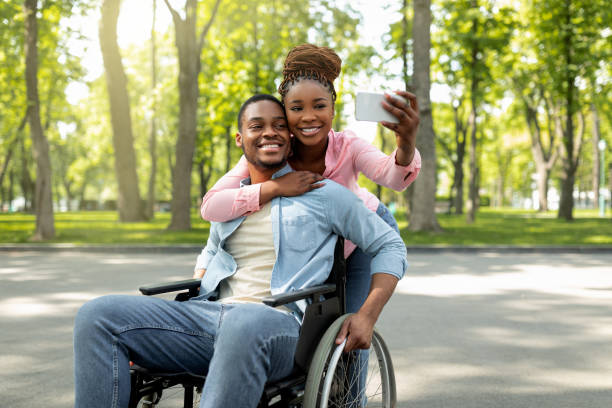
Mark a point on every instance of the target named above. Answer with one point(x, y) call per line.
point(305, 231)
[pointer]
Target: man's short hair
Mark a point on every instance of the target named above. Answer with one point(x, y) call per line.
point(253, 99)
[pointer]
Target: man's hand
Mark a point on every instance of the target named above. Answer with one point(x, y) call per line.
point(359, 329)
point(199, 273)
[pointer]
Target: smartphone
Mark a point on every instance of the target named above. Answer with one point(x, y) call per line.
point(368, 107)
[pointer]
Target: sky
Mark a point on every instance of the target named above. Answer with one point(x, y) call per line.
point(134, 27)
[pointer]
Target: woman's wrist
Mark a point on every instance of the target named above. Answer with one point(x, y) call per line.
point(404, 155)
point(268, 190)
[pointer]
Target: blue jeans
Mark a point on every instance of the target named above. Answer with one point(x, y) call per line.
point(358, 276)
point(238, 346)
point(358, 279)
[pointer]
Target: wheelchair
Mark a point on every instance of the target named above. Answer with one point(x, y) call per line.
point(323, 376)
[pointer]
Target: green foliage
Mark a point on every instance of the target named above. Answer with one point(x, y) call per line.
point(519, 62)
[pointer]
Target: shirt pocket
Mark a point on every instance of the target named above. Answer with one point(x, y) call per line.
point(299, 232)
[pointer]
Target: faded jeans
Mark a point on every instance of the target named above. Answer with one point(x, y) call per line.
point(358, 279)
point(238, 346)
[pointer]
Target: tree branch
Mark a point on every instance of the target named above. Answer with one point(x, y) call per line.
point(206, 27)
point(175, 15)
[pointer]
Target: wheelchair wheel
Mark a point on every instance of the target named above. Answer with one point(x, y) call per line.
point(356, 379)
point(171, 397)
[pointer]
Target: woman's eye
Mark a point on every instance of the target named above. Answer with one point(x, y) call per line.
point(296, 108)
point(321, 106)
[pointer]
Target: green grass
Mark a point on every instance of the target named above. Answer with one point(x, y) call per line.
point(492, 227)
point(515, 227)
point(102, 227)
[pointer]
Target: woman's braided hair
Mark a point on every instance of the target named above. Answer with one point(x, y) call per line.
point(308, 61)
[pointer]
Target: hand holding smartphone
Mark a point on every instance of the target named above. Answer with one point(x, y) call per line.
point(368, 107)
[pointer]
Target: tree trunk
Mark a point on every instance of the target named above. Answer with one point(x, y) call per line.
point(544, 159)
point(381, 135)
point(228, 148)
point(571, 146)
point(45, 228)
point(153, 135)
point(472, 203)
point(25, 181)
point(128, 200)
point(189, 50)
point(596, 162)
point(423, 205)
point(409, 192)
point(460, 138)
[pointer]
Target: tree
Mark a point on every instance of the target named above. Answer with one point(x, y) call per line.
point(128, 195)
point(566, 33)
point(45, 228)
point(153, 131)
point(474, 35)
point(189, 47)
point(423, 200)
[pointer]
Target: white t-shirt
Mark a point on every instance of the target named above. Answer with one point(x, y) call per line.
point(252, 247)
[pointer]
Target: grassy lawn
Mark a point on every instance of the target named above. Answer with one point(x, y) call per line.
point(516, 227)
point(102, 227)
point(492, 227)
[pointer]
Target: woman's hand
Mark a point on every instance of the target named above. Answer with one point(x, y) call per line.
point(407, 113)
point(296, 183)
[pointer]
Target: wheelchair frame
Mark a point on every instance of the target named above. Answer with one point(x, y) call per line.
point(327, 303)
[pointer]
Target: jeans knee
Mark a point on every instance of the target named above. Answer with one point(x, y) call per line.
point(93, 313)
point(241, 322)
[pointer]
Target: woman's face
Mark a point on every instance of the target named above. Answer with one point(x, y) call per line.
point(310, 111)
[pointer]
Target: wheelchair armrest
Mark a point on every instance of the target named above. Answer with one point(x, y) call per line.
point(156, 289)
point(284, 298)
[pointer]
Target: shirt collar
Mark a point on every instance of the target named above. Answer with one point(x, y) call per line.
point(286, 169)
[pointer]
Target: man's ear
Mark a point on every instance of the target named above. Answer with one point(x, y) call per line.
point(239, 140)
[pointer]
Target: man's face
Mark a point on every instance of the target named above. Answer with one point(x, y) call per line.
point(264, 137)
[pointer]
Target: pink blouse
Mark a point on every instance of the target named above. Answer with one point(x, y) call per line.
point(346, 156)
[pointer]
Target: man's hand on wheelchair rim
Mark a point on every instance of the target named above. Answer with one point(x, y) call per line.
point(358, 328)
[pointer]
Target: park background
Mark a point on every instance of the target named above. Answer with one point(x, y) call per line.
point(117, 117)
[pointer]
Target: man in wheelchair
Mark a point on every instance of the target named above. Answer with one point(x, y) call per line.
point(238, 342)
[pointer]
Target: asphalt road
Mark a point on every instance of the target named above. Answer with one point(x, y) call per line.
point(482, 329)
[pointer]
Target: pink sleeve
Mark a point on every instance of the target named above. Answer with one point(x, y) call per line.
point(382, 169)
point(226, 200)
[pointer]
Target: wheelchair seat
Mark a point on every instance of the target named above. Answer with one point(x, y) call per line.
point(322, 376)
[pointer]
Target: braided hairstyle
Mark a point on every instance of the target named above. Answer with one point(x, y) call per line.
point(308, 61)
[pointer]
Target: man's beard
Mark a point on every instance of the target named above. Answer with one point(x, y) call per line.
point(267, 166)
point(259, 163)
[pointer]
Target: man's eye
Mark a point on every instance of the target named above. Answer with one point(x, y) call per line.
point(255, 127)
point(281, 126)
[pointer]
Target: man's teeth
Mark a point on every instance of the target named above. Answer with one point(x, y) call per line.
point(270, 146)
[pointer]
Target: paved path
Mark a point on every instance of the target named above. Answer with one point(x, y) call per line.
point(486, 329)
